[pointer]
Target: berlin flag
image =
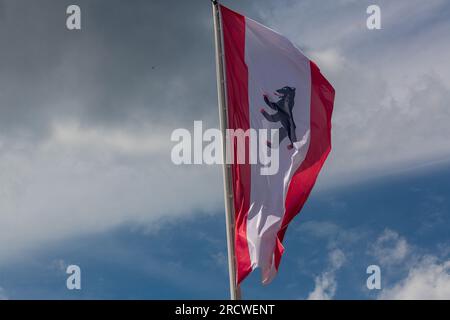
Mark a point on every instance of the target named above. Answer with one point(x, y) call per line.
point(270, 84)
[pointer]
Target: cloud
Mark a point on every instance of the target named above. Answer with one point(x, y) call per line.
point(326, 284)
point(325, 287)
point(390, 248)
point(329, 59)
point(427, 276)
point(429, 279)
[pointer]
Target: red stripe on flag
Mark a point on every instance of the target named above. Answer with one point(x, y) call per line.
point(322, 98)
point(233, 25)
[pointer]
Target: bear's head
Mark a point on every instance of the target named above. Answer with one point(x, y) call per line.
point(286, 91)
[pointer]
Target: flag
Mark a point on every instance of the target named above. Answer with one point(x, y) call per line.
point(270, 84)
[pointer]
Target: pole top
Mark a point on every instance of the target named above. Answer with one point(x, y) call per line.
point(215, 2)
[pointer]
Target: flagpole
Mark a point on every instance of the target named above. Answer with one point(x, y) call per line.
point(235, 292)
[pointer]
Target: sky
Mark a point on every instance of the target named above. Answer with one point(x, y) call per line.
point(86, 176)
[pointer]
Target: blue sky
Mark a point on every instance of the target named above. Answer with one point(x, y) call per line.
point(85, 172)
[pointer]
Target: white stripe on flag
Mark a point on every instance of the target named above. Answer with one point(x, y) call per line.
point(273, 63)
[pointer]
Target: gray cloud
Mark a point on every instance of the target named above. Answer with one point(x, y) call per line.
point(130, 65)
point(390, 248)
point(428, 280)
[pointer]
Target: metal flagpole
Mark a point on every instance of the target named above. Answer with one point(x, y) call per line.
point(235, 292)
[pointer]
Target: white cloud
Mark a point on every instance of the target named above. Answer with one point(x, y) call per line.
point(337, 259)
point(329, 59)
point(390, 248)
point(429, 279)
point(115, 139)
point(325, 283)
point(325, 287)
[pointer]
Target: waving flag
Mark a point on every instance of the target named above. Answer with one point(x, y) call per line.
point(271, 84)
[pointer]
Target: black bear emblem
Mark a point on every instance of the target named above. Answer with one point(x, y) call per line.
point(283, 115)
